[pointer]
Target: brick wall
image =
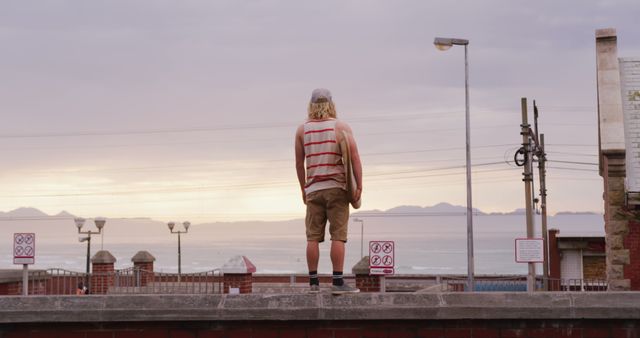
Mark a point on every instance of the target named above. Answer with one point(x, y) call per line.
point(243, 281)
point(334, 329)
point(368, 283)
point(37, 287)
point(11, 289)
point(632, 243)
point(594, 267)
point(102, 278)
point(144, 272)
point(65, 285)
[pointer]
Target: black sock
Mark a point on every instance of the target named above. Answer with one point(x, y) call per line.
point(313, 278)
point(337, 278)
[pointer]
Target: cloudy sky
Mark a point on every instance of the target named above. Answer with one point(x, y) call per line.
point(187, 109)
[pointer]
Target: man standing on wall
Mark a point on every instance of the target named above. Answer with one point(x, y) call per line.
point(322, 178)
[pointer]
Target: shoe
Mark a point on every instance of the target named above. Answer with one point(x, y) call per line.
point(342, 289)
point(314, 288)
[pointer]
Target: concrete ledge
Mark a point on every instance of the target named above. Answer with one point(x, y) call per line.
point(132, 308)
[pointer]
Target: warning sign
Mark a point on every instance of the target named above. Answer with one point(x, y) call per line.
point(529, 250)
point(24, 248)
point(381, 257)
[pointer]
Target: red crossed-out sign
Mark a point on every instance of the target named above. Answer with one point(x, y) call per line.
point(24, 248)
point(381, 257)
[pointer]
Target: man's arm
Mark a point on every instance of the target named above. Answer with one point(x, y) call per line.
point(355, 155)
point(300, 169)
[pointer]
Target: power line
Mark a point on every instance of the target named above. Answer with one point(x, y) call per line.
point(571, 145)
point(571, 154)
point(574, 169)
point(574, 162)
point(367, 119)
point(246, 185)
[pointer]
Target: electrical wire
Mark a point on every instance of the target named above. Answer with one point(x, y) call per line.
point(246, 186)
point(573, 162)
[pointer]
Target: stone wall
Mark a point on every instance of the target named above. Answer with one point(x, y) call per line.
point(616, 225)
point(476, 315)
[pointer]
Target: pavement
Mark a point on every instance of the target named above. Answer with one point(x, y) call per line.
point(322, 306)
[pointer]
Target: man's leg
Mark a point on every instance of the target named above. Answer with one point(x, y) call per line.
point(337, 255)
point(313, 255)
point(338, 214)
point(337, 259)
point(315, 222)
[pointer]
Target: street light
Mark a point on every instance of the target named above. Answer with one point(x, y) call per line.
point(444, 44)
point(186, 225)
point(361, 235)
point(99, 221)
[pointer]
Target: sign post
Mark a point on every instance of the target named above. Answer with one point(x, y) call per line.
point(381, 260)
point(24, 252)
point(529, 250)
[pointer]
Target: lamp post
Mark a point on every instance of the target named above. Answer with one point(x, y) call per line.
point(444, 44)
point(186, 225)
point(99, 221)
point(361, 236)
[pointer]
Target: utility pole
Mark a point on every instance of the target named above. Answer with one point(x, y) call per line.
point(542, 159)
point(542, 172)
point(528, 181)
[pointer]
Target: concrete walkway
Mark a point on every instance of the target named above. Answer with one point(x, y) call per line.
point(364, 306)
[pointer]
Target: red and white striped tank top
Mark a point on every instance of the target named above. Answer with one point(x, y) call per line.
point(323, 157)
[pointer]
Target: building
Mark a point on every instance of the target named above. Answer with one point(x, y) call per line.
point(619, 158)
point(576, 263)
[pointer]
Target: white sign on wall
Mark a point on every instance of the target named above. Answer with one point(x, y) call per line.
point(24, 248)
point(381, 257)
point(529, 250)
point(630, 86)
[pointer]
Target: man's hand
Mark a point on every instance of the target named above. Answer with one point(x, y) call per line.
point(300, 157)
point(357, 194)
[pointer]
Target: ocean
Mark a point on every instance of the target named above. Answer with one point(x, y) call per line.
point(424, 244)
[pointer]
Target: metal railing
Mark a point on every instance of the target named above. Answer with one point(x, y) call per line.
point(56, 282)
point(574, 284)
point(458, 284)
point(139, 281)
point(126, 281)
point(510, 284)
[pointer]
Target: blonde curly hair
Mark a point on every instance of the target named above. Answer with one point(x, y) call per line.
point(321, 110)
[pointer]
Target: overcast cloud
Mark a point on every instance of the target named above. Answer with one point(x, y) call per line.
point(170, 96)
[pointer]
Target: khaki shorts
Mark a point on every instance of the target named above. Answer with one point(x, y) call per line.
point(331, 205)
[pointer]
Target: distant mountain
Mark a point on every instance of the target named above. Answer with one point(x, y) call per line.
point(64, 213)
point(28, 212)
point(25, 212)
point(573, 213)
point(453, 210)
point(520, 211)
point(440, 209)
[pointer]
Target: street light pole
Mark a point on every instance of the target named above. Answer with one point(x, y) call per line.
point(186, 225)
point(361, 236)
point(444, 44)
point(88, 251)
point(99, 222)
